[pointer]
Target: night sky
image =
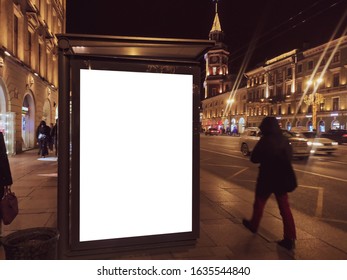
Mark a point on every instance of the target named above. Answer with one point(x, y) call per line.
point(273, 26)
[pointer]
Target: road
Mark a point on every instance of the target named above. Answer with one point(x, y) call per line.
point(322, 191)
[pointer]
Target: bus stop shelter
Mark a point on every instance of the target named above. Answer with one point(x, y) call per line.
point(128, 159)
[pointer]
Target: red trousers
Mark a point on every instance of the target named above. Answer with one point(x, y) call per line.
point(289, 231)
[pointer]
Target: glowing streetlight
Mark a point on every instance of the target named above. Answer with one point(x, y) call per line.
point(230, 101)
point(314, 99)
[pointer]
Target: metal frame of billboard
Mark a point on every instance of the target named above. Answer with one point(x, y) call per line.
point(117, 53)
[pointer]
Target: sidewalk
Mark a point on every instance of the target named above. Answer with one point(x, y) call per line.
point(222, 236)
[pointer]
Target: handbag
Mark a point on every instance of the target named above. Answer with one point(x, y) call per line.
point(8, 206)
point(41, 136)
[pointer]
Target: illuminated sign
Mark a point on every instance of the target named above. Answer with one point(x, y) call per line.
point(139, 177)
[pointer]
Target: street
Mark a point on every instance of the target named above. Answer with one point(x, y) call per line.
point(322, 191)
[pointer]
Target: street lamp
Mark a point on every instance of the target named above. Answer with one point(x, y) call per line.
point(314, 99)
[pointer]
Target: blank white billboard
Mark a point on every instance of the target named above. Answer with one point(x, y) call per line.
point(135, 154)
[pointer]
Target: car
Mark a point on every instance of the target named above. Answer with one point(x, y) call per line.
point(248, 140)
point(251, 136)
point(338, 135)
point(212, 131)
point(319, 144)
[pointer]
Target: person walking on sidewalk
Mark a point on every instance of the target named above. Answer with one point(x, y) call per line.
point(43, 135)
point(5, 172)
point(276, 175)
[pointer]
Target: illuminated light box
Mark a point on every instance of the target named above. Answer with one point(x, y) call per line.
point(135, 165)
point(128, 170)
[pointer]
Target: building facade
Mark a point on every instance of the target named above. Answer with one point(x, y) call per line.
point(304, 89)
point(226, 111)
point(28, 68)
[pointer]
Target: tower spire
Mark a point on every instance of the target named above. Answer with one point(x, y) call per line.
point(216, 26)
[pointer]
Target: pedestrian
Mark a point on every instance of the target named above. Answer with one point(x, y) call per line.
point(43, 136)
point(235, 131)
point(5, 171)
point(276, 175)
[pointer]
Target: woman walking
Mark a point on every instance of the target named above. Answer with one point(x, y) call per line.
point(276, 175)
point(43, 138)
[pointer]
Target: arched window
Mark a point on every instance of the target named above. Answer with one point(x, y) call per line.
point(321, 126)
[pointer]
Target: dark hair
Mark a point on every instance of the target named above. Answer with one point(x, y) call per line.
point(42, 123)
point(269, 125)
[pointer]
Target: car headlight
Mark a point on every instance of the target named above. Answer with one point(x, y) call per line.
point(334, 143)
point(310, 143)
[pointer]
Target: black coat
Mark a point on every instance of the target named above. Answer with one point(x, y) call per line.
point(276, 174)
point(44, 129)
point(5, 172)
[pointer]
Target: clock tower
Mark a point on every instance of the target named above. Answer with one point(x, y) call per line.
point(216, 80)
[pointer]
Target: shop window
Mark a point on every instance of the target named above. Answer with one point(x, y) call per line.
point(310, 126)
point(321, 126)
point(289, 126)
point(335, 124)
